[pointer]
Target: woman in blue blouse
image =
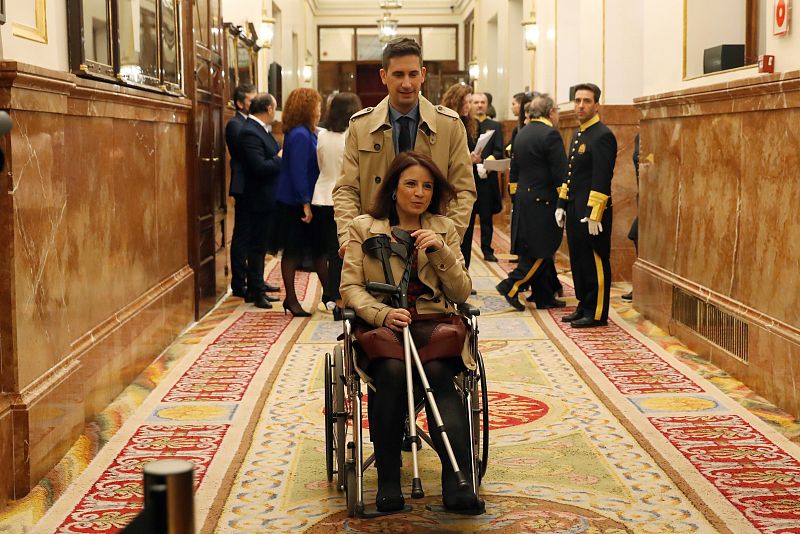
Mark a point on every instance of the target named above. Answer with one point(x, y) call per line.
point(299, 173)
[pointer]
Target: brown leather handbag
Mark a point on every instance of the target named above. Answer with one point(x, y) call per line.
point(435, 336)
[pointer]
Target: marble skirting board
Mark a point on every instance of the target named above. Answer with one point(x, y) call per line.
point(718, 203)
point(94, 276)
point(624, 122)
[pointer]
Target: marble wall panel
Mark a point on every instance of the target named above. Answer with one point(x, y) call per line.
point(9, 376)
point(171, 199)
point(707, 206)
point(40, 234)
point(658, 191)
point(768, 247)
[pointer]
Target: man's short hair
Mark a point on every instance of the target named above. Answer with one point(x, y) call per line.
point(241, 92)
point(589, 87)
point(540, 107)
point(399, 47)
point(261, 103)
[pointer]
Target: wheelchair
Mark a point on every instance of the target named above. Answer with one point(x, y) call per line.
point(344, 452)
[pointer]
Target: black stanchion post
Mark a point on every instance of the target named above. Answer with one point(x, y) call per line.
point(168, 499)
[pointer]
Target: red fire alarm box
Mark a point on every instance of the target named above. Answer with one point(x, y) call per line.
point(766, 63)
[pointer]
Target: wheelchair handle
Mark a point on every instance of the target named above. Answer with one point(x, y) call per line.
point(378, 287)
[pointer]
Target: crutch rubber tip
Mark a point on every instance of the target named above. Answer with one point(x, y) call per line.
point(462, 480)
point(416, 489)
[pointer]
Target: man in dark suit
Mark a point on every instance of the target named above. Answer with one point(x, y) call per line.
point(585, 205)
point(540, 164)
point(261, 164)
point(242, 96)
point(486, 184)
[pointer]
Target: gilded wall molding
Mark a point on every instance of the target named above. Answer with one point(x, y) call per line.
point(37, 33)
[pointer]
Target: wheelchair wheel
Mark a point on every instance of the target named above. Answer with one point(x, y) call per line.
point(350, 488)
point(329, 443)
point(484, 422)
point(338, 407)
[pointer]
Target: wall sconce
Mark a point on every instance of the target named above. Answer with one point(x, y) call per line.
point(391, 4)
point(387, 27)
point(474, 70)
point(531, 30)
point(308, 73)
point(266, 32)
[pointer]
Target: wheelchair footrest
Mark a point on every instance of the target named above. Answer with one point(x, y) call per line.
point(372, 512)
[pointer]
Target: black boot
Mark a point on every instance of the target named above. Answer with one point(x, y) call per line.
point(390, 496)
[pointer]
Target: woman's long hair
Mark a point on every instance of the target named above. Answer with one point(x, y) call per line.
point(454, 98)
point(384, 207)
point(299, 109)
point(343, 106)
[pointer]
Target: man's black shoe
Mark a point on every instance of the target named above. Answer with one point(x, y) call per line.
point(574, 316)
point(587, 322)
point(513, 301)
point(270, 298)
point(627, 297)
point(555, 303)
point(489, 256)
point(261, 301)
point(271, 288)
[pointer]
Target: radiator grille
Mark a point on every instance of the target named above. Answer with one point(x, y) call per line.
point(717, 326)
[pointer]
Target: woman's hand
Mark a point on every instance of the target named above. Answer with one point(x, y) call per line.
point(476, 158)
point(427, 239)
point(307, 213)
point(397, 319)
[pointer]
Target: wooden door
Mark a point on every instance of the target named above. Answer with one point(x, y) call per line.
point(369, 86)
point(208, 253)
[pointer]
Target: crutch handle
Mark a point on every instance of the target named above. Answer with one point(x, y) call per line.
point(378, 287)
point(416, 489)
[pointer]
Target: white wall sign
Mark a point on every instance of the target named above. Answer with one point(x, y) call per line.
point(780, 17)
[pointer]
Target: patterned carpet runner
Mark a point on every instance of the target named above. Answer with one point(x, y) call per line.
point(603, 430)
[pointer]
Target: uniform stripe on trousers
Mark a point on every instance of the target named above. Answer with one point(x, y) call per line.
point(601, 287)
point(528, 276)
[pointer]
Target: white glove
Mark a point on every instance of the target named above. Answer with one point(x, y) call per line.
point(595, 227)
point(482, 173)
point(561, 217)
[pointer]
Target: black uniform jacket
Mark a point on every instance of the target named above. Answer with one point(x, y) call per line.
point(232, 131)
point(489, 188)
point(262, 166)
point(590, 166)
point(540, 164)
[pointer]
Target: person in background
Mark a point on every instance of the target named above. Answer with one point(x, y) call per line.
point(298, 176)
point(518, 103)
point(330, 151)
point(584, 204)
point(242, 96)
point(633, 233)
point(487, 186)
point(261, 164)
point(490, 111)
point(535, 236)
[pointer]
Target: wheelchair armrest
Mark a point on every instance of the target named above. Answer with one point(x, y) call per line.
point(469, 310)
point(342, 314)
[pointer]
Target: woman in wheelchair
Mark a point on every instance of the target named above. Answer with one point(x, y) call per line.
point(413, 197)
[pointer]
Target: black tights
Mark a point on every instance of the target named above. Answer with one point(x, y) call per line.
point(289, 268)
point(387, 414)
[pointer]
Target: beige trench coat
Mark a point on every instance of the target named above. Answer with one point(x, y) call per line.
point(369, 150)
point(442, 271)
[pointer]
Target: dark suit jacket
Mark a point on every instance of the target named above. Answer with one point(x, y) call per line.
point(489, 188)
point(262, 166)
point(232, 131)
point(540, 164)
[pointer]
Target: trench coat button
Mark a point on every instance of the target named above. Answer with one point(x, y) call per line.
point(441, 266)
point(439, 108)
point(377, 179)
point(377, 146)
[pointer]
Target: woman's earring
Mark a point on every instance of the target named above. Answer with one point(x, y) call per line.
point(394, 195)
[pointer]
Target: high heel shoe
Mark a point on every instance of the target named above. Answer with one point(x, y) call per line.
point(296, 312)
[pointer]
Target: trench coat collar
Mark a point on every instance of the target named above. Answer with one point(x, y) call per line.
point(379, 118)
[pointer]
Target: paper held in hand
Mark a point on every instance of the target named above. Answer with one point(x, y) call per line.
point(483, 140)
point(499, 165)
